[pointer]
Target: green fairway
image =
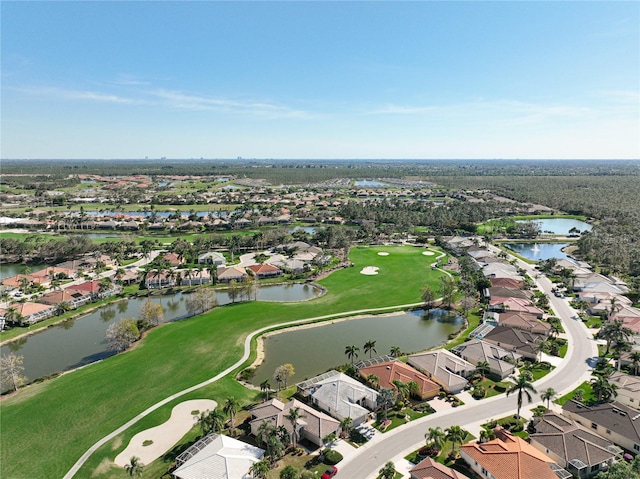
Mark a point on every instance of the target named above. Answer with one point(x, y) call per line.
point(61, 418)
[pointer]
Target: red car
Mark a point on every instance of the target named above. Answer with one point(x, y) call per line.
point(329, 473)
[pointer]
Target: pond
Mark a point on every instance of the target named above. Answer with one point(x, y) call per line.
point(79, 342)
point(316, 349)
point(561, 226)
point(12, 269)
point(539, 251)
point(370, 183)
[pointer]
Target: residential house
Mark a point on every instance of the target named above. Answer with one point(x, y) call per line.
point(173, 259)
point(628, 388)
point(523, 321)
point(501, 362)
point(504, 292)
point(262, 271)
point(73, 298)
point(93, 288)
point(507, 283)
point(231, 273)
point(194, 277)
point(160, 279)
point(614, 421)
point(445, 368)
point(574, 447)
point(55, 271)
point(389, 371)
point(15, 282)
point(514, 305)
point(314, 426)
point(212, 257)
point(292, 266)
point(507, 457)
point(217, 457)
point(30, 312)
point(519, 341)
point(431, 469)
point(340, 396)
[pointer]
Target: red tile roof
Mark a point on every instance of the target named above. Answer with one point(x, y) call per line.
point(389, 371)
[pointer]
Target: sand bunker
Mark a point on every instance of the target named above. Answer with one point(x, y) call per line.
point(383, 253)
point(428, 253)
point(164, 436)
point(370, 270)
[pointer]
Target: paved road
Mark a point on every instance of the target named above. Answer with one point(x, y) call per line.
point(574, 370)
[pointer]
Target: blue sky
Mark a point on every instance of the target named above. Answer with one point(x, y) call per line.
point(427, 79)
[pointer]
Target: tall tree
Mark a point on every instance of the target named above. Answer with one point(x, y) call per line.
point(231, 408)
point(265, 387)
point(523, 388)
point(386, 399)
point(603, 389)
point(456, 435)
point(447, 290)
point(11, 371)
point(294, 414)
point(435, 436)
point(428, 296)
point(352, 352)
point(369, 347)
point(548, 395)
point(260, 469)
point(284, 372)
point(388, 471)
point(395, 352)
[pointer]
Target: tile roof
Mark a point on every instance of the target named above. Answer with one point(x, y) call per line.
point(510, 457)
point(476, 350)
point(389, 371)
point(430, 469)
point(522, 341)
point(447, 368)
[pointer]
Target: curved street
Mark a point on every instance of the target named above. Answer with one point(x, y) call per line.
point(573, 370)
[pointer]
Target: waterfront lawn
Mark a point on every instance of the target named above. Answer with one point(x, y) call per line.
point(62, 417)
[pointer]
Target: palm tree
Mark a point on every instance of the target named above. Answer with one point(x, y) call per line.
point(388, 471)
point(613, 333)
point(482, 367)
point(264, 431)
point(345, 425)
point(216, 420)
point(548, 395)
point(414, 389)
point(274, 448)
point(436, 437)
point(635, 361)
point(135, 467)
point(373, 380)
point(455, 434)
point(402, 388)
point(603, 389)
point(523, 388)
point(289, 472)
point(292, 417)
point(386, 398)
point(396, 352)
point(265, 387)
point(369, 347)
point(260, 469)
point(231, 408)
point(352, 352)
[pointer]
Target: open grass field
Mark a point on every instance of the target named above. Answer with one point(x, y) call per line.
point(62, 417)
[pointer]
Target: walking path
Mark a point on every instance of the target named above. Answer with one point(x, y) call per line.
point(247, 351)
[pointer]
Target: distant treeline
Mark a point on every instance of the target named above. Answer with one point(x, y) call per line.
point(316, 171)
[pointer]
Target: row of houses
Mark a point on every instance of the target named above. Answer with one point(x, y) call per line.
point(48, 304)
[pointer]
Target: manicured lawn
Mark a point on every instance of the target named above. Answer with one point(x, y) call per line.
point(587, 396)
point(61, 418)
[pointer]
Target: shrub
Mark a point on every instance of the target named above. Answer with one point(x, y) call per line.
point(479, 393)
point(331, 456)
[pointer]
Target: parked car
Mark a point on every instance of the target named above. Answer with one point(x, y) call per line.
point(329, 473)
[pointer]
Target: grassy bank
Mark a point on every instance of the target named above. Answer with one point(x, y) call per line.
point(61, 418)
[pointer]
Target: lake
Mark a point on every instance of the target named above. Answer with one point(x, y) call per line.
point(12, 269)
point(539, 251)
point(314, 350)
point(561, 226)
point(370, 183)
point(82, 341)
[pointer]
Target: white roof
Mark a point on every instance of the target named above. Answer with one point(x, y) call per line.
point(221, 458)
